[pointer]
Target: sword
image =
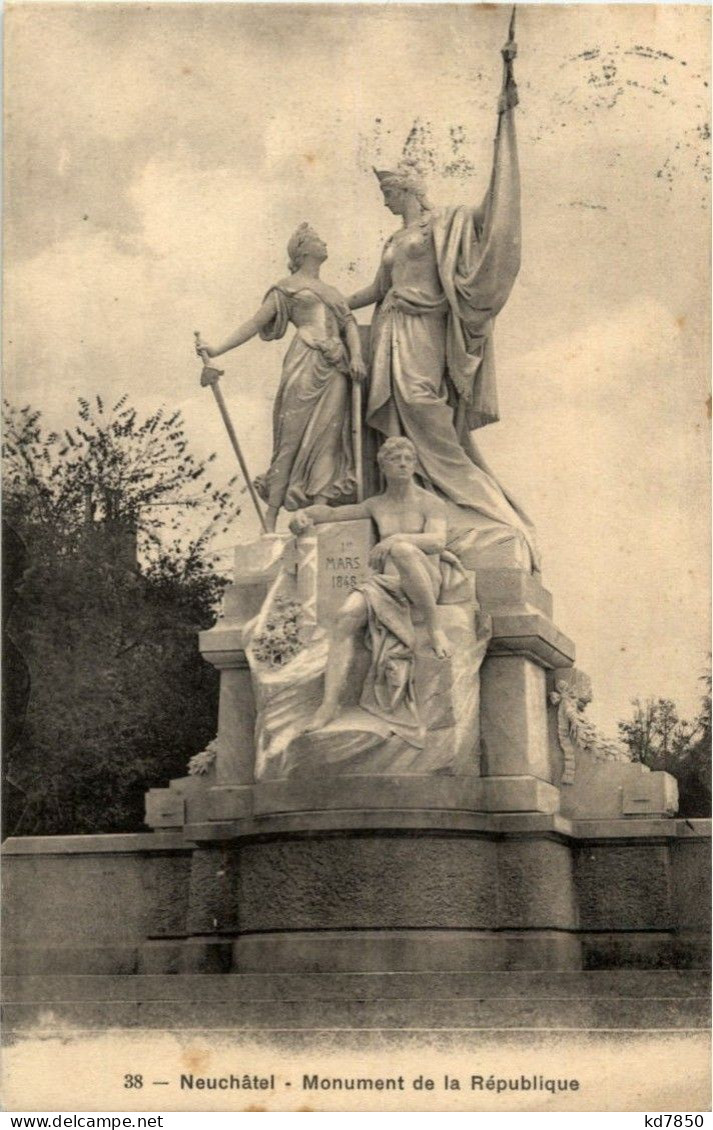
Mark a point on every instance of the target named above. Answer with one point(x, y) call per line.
point(211, 376)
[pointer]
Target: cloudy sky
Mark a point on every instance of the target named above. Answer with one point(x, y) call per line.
point(159, 156)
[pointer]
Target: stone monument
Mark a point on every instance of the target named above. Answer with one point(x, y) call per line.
point(404, 776)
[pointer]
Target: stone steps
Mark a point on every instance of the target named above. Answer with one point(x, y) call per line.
point(693, 1013)
point(605, 1000)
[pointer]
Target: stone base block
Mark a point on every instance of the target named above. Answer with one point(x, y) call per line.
point(454, 793)
point(195, 954)
point(513, 719)
point(500, 591)
point(184, 801)
point(612, 790)
point(159, 956)
point(206, 955)
point(401, 882)
point(651, 794)
point(164, 808)
point(87, 959)
point(403, 951)
point(533, 635)
point(518, 794)
point(447, 890)
point(651, 950)
point(359, 793)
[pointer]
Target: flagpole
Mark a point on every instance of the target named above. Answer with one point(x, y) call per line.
point(508, 95)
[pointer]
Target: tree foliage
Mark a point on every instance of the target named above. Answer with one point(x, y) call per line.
point(660, 739)
point(112, 469)
point(108, 585)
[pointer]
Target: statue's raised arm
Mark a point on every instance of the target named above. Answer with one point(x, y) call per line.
point(314, 457)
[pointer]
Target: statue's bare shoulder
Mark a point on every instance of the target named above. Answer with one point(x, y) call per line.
point(433, 506)
point(430, 507)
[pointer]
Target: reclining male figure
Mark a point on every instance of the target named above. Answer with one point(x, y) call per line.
point(411, 523)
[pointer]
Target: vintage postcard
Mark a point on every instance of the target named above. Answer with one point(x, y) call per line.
point(356, 548)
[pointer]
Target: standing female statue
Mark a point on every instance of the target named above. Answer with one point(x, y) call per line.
point(443, 278)
point(312, 457)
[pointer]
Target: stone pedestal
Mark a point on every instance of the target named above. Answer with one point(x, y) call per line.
point(255, 567)
point(456, 856)
point(319, 571)
point(514, 739)
point(360, 890)
point(525, 644)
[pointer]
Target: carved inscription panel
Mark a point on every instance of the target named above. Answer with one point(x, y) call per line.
point(342, 563)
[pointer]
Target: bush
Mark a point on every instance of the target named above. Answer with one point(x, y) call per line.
point(105, 691)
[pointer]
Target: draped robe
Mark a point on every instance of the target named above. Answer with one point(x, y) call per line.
point(432, 373)
point(312, 453)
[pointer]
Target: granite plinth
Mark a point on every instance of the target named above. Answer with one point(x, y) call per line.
point(428, 950)
point(216, 811)
point(514, 736)
point(362, 793)
point(323, 857)
point(522, 618)
point(229, 802)
point(506, 701)
point(223, 646)
point(531, 634)
point(475, 892)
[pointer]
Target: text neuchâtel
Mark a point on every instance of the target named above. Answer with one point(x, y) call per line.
point(227, 1082)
